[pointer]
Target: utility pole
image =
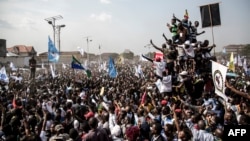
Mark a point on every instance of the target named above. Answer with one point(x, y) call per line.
point(88, 40)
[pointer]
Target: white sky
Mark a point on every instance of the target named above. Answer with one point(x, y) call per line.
point(116, 25)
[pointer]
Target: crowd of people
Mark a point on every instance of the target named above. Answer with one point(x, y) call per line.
point(166, 99)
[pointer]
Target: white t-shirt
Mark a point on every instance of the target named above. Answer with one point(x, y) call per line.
point(188, 51)
point(159, 67)
point(166, 84)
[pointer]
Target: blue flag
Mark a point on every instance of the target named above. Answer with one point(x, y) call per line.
point(75, 64)
point(112, 69)
point(53, 54)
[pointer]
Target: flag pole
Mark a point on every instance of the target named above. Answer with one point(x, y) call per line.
point(100, 54)
point(211, 23)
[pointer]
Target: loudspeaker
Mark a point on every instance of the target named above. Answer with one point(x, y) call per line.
point(3, 50)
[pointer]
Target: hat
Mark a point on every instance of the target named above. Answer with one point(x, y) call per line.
point(184, 73)
point(59, 127)
point(164, 102)
point(89, 115)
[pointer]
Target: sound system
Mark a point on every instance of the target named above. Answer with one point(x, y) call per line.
point(3, 50)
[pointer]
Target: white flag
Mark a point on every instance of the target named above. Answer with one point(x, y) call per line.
point(142, 59)
point(64, 66)
point(245, 64)
point(136, 72)
point(219, 77)
point(239, 61)
point(43, 66)
point(12, 66)
point(3, 75)
point(81, 50)
point(52, 71)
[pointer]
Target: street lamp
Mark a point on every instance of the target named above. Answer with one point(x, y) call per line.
point(59, 33)
point(52, 21)
point(88, 40)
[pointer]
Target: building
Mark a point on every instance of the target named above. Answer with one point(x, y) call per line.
point(22, 50)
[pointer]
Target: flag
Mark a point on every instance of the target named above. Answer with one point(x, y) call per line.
point(81, 50)
point(75, 64)
point(120, 60)
point(142, 58)
point(3, 75)
point(219, 77)
point(239, 61)
point(52, 71)
point(112, 70)
point(12, 66)
point(245, 64)
point(64, 66)
point(224, 50)
point(231, 62)
point(138, 71)
point(186, 14)
point(43, 66)
point(53, 54)
point(210, 15)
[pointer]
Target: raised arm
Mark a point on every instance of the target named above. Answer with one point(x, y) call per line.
point(151, 42)
point(243, 94)
point(176, 18)
point(151, 60)
point(200, 33)
point(176, 120)
point(165, 37)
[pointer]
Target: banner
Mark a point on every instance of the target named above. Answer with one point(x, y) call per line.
point(210, 15)
point(158, 55)
point(219, 78)
point(53, 54)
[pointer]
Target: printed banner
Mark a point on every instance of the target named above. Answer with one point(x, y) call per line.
point(219, 77)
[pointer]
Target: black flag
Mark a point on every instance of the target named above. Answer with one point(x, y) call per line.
point(210, 15)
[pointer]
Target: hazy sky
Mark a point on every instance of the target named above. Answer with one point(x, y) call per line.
point(116, 25)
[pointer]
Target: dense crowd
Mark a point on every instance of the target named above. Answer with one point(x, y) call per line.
point(165, 99)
